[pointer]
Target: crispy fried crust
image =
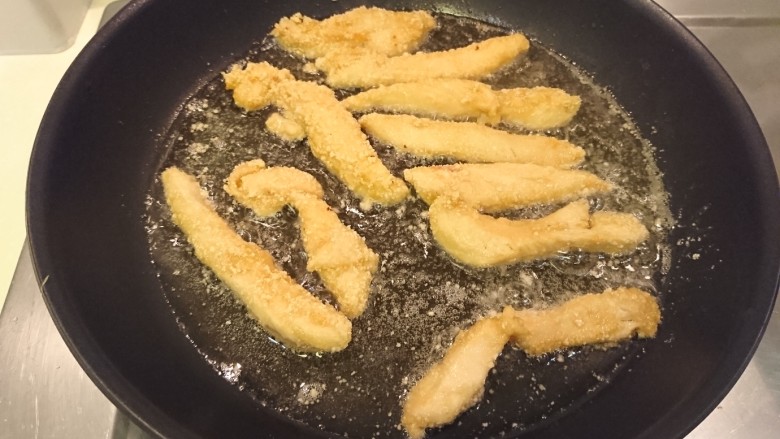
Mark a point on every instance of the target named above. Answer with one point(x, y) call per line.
point(284, 128)
point(281, 306)
point(492, 187)
point(537, 108)
point(361, 29)
point(253, 86)
point(481, 240)
point(457, 382)
point(333, 135)
point(340, 256)
point(459, 99)
point(604, 318)
point(474, 61)
point(467, 141)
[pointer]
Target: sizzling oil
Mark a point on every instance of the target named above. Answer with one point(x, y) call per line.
point(420, 297)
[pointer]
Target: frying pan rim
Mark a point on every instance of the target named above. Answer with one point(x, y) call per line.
point(750, 124)
point(79, 341)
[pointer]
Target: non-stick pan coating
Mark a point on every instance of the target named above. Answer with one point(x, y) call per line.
point(101, 143)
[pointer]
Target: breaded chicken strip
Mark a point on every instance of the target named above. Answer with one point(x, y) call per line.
point(459, 99)
point(480, 240)
point(609, 317)
point(333, 135)
point(457, 382)
point(492, 187)
point(468, 141)
point(537, 108)
point(281, 306)
point(474, 61)
point(336, 252)
point(254, 86)
point(361, 29)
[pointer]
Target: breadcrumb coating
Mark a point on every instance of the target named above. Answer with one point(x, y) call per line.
point(493, 187)
point(362, 29)
point(336, 252)
point(456, 383)
point(475, 61)
point(281, 306)
point(333, 135)
point(468, 141)
point(480, 240)
point(537, 108)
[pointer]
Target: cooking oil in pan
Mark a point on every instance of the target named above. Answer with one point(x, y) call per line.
point(420, 298)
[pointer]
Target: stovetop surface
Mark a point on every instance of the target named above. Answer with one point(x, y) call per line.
point(45, 394)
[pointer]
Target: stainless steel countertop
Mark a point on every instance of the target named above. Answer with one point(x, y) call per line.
point(45, 394)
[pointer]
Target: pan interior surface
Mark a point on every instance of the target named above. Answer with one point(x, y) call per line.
point(103, 140)
point(420, 296)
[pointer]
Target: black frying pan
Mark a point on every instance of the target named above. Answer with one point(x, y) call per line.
point(101, 143)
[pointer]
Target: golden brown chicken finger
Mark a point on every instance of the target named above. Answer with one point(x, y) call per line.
point(281, 306)
point(474, 61)
point(492, 187)
point(254, 85)
point(468, 141)
point(609, 317)
point(459, 99)
point(361, 29)
point(340, 256)
point(480, 240)
point(457, 382)
point(333, 135)
point(537, 108)
point(336, 139)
